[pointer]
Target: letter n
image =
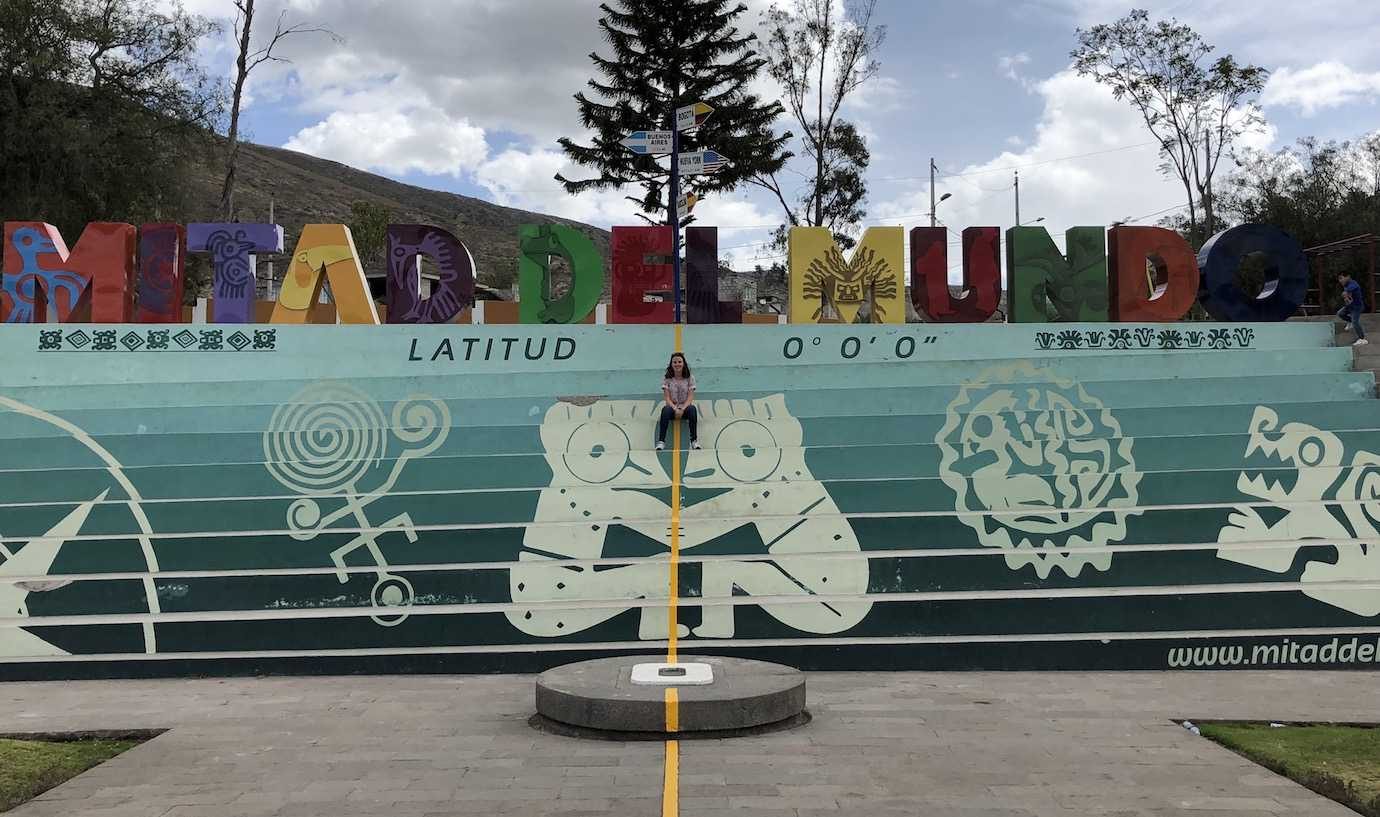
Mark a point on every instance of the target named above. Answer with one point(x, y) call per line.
point(95, 281)
point(1046, 286)
point(827, 288)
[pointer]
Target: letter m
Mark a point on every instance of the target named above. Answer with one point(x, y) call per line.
point(828, 288)
point(94, 282)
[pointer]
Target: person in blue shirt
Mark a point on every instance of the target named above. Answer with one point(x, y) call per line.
point(1352, 307)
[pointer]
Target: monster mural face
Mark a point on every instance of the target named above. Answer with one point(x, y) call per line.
point(1038, 466)
point(1300, 469)
point(753, 470)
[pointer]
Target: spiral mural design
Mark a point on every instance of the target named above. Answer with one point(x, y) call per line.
point(325, 439)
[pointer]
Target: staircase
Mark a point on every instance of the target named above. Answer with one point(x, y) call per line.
point(487, 498)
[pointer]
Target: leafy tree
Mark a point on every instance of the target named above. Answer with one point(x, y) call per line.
point(1195, 106)
point(666, 55)
point(820, 57)
point(103, 107)
point(1317, 192)
point(369, 226)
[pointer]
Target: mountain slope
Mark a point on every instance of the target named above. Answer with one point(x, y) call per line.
point(309, 190)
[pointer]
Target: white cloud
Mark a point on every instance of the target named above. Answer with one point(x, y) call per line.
point(1115, 174)
point(1324, 85)
point(398, 141)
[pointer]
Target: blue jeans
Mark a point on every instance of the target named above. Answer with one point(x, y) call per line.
point(667, 415)
point(1351, 313)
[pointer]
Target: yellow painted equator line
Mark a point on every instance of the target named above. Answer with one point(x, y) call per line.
point(670, 785)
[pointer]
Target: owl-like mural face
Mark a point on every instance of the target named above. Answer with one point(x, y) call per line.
point(604, 470)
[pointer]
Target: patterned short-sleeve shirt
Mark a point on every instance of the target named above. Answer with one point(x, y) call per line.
point(679, 387)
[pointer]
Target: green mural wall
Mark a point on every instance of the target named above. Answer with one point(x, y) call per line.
point(472, 498)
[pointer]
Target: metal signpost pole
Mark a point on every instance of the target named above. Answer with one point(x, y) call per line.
point(673, 211)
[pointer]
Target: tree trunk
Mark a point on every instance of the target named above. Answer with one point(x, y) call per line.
point(227, 191)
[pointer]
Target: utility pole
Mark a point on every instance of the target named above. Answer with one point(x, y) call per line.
point(1018, 198)
point(932, 191)
point(269, 288)
point(1207, 195)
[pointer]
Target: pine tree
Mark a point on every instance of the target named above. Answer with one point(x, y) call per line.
point(665, 55)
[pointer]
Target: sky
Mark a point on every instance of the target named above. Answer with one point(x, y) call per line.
point(470, 96)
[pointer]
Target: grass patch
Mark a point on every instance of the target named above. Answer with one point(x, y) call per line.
point(28, 767)
point(1338, 762)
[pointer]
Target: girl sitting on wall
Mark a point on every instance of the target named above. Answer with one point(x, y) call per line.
point(678, 390)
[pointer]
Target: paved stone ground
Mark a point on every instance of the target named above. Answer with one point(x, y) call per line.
point(932, 744)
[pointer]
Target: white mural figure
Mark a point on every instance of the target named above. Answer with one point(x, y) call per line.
point(1038, 466)
point(34, 559)
point(1312, 459)
point(752, 455)
point(323, 444)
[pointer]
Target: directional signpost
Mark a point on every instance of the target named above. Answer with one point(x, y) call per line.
point(684, 204)
point(662, 142)
point(649, 142)
point(692, 116)
point(700, 161)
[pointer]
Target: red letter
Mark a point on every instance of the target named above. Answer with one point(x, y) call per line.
point(1176, 274)
point(162, 272)
point(929, 274)
point(635, 274)
point(97, 275)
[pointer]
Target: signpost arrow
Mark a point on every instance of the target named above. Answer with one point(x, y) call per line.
point(685, 204)
point(701, 161)
point(654, 142)
point(692, 116)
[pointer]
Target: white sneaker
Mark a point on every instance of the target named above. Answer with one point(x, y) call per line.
point(660, 446)
point(1361, 342)
point(695, 444)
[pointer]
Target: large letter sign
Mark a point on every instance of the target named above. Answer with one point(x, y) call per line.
point(407, 243)
point(1131, 249)
point(325, 252)
point(641, 264)
point(536, 245)
point(162, 272)
point(98, 274)
point(702, 279)
point(1286, 274)
point(1046, 286)
point(823, 281)
point(232, 248)
point(929, 274)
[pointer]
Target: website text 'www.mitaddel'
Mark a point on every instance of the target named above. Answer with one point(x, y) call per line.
point(1280, 653)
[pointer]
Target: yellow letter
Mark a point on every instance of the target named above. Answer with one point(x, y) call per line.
point(325, 248)
point(820, 275)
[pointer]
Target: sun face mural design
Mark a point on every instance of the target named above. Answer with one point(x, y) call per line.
point(1038, 466)
point(1302, 470)
point(325, 443)
point(753, 468)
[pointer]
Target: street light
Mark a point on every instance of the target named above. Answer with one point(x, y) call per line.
point(934, 204)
